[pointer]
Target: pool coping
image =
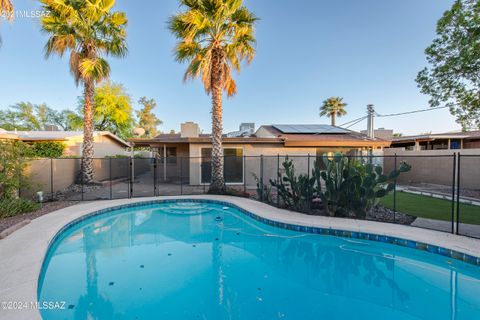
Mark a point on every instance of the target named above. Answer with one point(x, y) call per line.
point(26, 248)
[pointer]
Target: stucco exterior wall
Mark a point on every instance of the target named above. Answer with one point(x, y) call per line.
point(252, 153)
point(103, 146)
point(436, 166)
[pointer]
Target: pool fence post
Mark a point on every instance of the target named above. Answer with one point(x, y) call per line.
point(244, 174)
point(458, 190)
point(81, 176)
point(51, 179)
point(453, 190)
point(308, 166)
point(181, 176)
point(395, 192)
point(132, 176)
point(261, 177)
point(155, 176)
point(202, 166)
point(110, 174)
point(278, 178)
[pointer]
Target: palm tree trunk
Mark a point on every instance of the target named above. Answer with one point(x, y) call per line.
point(87, 170)
point(334, 118)
point(217, 184)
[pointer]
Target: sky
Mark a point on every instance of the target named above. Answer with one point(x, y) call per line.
point(368, 52)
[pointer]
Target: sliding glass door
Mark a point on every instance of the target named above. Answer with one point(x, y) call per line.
point(233, 165)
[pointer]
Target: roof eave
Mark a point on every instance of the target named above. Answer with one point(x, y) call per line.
point(347, 143)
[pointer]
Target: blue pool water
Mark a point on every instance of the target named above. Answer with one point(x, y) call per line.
point(190, 260)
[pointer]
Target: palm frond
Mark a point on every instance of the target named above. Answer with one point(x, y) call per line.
point(94, 69)
point(207, 25)
point(90, 30)
point(6, 9)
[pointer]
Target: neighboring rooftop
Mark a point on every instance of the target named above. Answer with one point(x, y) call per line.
point(32, 136)
point(448, 135)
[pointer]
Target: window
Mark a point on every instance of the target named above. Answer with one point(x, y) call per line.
point(232, 168)
point(171, 155)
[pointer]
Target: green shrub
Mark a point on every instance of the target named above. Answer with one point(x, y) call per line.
point(14, 207)
point(47, 149)
point(13, 160)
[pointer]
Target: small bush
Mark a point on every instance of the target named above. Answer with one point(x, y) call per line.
point(13, 161)
point(47, 149)
point(14, 207)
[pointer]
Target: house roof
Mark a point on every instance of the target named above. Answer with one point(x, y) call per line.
point(31, 136)
point(319, 136)
point(309, 129)
point(203, 138)
point(431, 137)
point(328, 138)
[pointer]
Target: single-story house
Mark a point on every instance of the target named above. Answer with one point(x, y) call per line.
point(105, 143)
point(441, 141)
point(187, 154)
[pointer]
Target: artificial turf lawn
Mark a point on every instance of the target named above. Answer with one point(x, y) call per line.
point(431, 208)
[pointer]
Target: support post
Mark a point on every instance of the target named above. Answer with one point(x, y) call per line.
point(371, 121)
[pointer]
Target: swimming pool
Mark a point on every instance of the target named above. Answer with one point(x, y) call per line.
point(200, 260)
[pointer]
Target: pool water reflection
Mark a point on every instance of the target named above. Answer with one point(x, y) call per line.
point(207, 261)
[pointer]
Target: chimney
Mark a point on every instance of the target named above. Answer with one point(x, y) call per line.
point(189, 130)
point(371, 121)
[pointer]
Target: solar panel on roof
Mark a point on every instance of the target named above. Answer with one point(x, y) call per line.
point(309, 129)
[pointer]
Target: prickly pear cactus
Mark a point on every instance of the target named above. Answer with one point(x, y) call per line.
point(354, 188)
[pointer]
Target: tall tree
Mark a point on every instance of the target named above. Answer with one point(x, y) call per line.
point(333, 107)
point(146, 118)
point(63, 119)
point(214, 37)
point(453, 79)
point(112, 109)
point(25, 116)
point(90, 30)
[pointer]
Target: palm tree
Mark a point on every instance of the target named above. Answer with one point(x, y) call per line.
point(333, 107)
point(6, 8)
point(214, 37)
point(89, 30)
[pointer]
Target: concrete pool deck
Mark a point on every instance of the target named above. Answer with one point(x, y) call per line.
point(22, 252)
